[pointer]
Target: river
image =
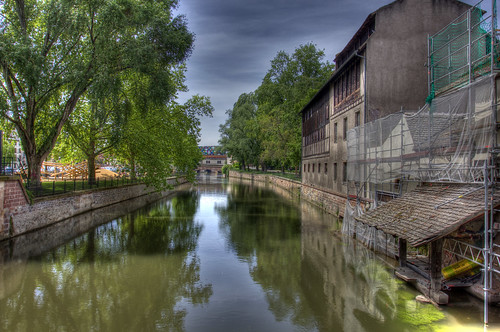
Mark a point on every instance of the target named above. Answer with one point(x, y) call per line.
point(216, 257)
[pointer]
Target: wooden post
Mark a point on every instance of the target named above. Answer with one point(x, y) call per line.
point(402, 249)
point(436, 258)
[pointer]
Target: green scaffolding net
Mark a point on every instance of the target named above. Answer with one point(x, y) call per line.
point(461, 52)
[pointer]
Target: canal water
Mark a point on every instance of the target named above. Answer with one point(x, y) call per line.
point(217, 257)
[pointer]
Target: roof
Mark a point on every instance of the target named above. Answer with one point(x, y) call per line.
point(429, 212)
point(435, 130)
point(211, 151)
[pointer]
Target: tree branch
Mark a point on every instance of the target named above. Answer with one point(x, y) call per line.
point(22, 15)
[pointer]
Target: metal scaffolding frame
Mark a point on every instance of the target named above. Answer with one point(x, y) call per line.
point(389, 157)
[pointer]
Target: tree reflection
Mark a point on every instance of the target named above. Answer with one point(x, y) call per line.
point(312, 278)
point(264, 230)
point(131, 274)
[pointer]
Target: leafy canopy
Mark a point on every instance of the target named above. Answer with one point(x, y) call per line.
point(270, 117)
point(52, 52)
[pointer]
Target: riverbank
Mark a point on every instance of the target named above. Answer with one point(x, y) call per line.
point(20, 216)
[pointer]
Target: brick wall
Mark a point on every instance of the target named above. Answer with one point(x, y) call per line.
point(22, 218)
point(12, 195)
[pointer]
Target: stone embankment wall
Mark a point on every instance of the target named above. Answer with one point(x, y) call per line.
point(18, 216)
point(330, 202)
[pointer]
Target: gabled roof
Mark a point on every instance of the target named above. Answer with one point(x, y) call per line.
point(429, 212)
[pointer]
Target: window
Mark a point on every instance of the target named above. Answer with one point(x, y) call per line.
point(335, 171)
point(345, 128)
point(326, 167)
point(308, 167)
point(335, 132)
point(208, 162)
point(313, 168)
point(219, 162)
point(319, 168)
point(344, 173)
point(357, 119)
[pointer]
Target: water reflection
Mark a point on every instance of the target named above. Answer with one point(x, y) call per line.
point(125, 275)
point(264, 230)
point(217, 257)
point(313, 277)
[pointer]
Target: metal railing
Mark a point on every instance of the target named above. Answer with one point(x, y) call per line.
point(49, 188)
point(7, 166)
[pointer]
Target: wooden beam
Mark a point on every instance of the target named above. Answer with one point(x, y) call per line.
point(436, 258)
point(402, 249)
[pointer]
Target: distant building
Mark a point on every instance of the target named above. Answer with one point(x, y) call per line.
point(213, 159)
point(19, 155)
point(380, 71)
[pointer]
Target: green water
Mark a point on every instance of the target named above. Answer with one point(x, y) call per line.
point(217, 257)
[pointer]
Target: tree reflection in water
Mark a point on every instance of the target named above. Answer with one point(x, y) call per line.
point(312, 277)
point(147, 271)
point(128, 275)
point(264, 230)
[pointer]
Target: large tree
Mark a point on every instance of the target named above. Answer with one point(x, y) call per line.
point(53, 51)
point(240, 134)
point(163, 139)
point(96, 127)
point(289, 84)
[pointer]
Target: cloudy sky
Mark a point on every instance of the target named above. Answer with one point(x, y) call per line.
point(237, 39)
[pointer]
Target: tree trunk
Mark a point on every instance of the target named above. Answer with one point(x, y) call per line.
point(133, 175)
point(34, 170)
point(91, 160)
point(91, 168)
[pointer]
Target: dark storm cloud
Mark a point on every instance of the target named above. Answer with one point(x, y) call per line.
point(236, 40)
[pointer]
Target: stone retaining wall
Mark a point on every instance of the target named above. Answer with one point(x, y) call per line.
point(330, 202)
point(22, 218)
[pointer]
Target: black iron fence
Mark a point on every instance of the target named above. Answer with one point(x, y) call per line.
point(47, 188)
point(7, 166)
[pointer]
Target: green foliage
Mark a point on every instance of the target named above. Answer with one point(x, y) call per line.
point(264, 127)
point(65, 150)
point(53, 52)
point(8, 149)
point(240, 134)
point(226, 168)
point(287, 87)
point(163, 139)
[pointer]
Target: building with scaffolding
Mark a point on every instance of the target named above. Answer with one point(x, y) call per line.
point(365, 85)
point(428, 177)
